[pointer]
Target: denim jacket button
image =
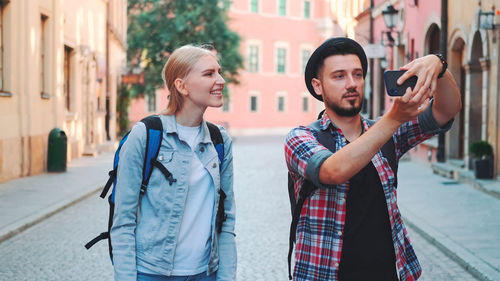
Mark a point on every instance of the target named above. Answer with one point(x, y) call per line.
point(202, 149)
point(214, 165)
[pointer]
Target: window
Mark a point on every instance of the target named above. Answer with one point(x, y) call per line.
point(304, 56)
point(151, 101)
point(253, 58)
point(281, 60)
point(253, 103)
point(225, 104)
point(282, 7)
point(254, 6)
point(43, 56)
point(305, 104)
point(67, 76)
point(225, 4)
point(307, 9)
point(281, 103)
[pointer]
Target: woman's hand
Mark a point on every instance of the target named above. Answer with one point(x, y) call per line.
point(427, 70)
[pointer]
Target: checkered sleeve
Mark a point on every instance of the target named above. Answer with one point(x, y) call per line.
point(301, 150)
point(421, 128)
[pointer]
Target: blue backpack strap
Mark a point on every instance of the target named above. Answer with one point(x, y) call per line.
point(154, 132)
point(112, 173)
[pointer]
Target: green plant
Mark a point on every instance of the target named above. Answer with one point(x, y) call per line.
point(122, 104)
point(481, 149)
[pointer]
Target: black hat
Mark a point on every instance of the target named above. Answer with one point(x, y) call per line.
point(332, 46)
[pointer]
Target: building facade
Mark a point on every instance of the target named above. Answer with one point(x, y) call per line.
point(471, 49)
point(473, 59)
point(60, 65)
point(277, 38)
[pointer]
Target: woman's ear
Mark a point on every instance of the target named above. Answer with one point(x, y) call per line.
point(180, 85)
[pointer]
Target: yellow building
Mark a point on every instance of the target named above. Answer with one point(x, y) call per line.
point(473, 58)
point(60, 65)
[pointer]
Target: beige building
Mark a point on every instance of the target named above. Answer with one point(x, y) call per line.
point(474, 60)
point(60, 65)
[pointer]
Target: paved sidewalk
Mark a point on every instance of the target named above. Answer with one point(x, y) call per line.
point(26, 201)
point(462, 221)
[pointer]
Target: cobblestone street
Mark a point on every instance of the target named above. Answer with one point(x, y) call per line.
point(53, 249)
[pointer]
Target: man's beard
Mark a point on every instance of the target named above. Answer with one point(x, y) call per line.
point(344, 112)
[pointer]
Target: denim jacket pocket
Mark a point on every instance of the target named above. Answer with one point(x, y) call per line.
point(165, 156)
point(163, 171)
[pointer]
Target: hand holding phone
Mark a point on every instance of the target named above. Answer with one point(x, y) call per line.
point(393, 89)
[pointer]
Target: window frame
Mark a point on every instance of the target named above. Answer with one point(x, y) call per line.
point(281, 95)
point(251, 6)
point(256, 95)
point(253, 61)
point(44, 49)
point(305, 96)
point(309, 16)
point(278, 59)
point(68, 53)
point(280, 7)
point(3, 65)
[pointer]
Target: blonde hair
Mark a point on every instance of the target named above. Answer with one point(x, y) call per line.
point(179, 64)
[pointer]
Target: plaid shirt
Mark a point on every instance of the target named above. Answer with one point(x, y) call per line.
point(319, 231)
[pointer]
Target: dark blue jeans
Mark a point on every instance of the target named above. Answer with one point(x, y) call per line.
point(198, 277)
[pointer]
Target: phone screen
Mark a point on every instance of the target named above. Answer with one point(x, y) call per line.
point(393, 89)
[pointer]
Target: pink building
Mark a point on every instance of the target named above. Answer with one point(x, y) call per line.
point(417, 33)
point(277, 38)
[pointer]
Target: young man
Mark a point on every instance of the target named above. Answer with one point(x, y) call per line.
point(351, 228)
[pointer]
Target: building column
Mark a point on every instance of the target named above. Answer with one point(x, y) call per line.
point(485, 66)
point(466, 105)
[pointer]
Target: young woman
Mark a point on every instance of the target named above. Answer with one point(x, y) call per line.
point(169, 232)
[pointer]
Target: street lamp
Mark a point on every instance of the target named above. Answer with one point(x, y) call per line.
point(391, 20)
point(390, 17)
point(488, 19)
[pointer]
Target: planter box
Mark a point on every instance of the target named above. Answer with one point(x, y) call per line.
point(483, 168)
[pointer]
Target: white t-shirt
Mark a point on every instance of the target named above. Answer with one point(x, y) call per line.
point(193, 245)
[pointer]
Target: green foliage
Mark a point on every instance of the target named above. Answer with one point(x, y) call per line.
point(481, 149)
point(157, 27)
point(122, 104)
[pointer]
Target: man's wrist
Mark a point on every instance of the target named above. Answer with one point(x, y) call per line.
point(444, 65)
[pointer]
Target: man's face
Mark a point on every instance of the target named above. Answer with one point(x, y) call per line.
point(341, 84)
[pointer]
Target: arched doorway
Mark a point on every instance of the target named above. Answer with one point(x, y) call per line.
point(475, 87)
point(432, 39)
point(456, 61)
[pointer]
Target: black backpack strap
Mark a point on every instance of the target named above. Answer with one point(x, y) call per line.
point(306, 190)
point(218, 141)
point(389, 152)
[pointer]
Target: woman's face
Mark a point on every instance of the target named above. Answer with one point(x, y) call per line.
point(204, 83)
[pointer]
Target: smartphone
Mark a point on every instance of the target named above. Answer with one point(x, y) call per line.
point(393, 89)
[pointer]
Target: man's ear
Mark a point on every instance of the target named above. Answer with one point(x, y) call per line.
point(180, 85)
point(316, 83)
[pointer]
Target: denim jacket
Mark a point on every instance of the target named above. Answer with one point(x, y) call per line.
point(145, 227)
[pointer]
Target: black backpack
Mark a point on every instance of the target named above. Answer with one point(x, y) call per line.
point(308, 188)
point(154, 131)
